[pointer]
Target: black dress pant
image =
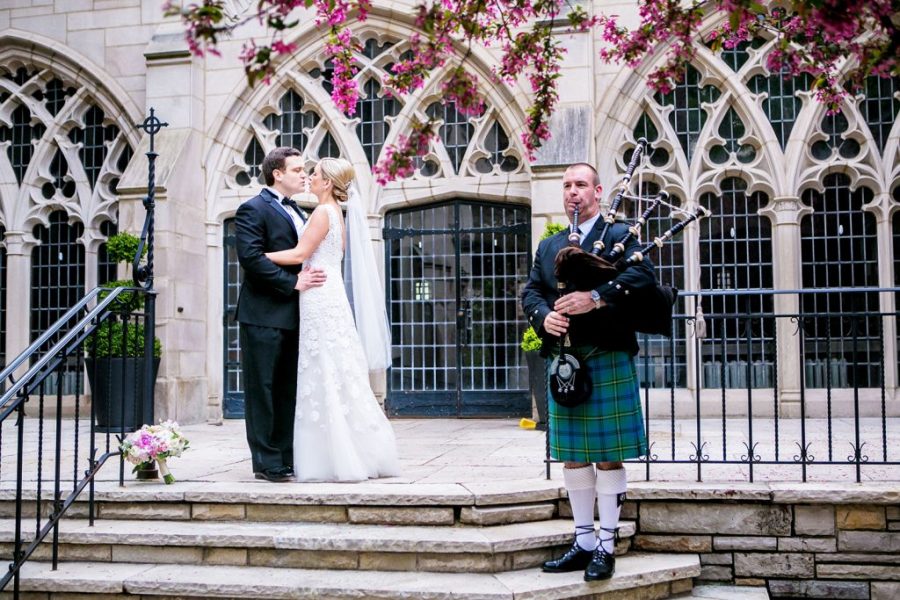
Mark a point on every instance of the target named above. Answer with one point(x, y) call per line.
point(269, 366)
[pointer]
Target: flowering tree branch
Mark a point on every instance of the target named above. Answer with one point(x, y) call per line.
point(817, 37)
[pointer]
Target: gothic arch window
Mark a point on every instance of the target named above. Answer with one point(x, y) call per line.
point(107, 269)
point(686, 112)
point(839, 250)
point(464, 146)
point(781, 103)
point(879, 107)
point(63, 148)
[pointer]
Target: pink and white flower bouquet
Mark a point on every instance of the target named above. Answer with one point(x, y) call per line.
point(155, 443)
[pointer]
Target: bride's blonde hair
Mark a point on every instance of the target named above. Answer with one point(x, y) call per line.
point(340, 173)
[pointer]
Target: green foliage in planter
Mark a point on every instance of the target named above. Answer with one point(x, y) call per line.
point(122, 247)
point(126, 301)
point(530, 340)
point(111, 340)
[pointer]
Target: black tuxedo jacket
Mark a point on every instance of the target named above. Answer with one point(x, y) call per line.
point(607, 328)
point(268, 297)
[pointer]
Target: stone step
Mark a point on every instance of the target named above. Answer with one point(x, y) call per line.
point(313, 545)
point(726, 592)
point(387, 504)
point(637, 577)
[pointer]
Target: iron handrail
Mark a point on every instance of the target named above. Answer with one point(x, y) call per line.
point(30, 350)
point(58, 347)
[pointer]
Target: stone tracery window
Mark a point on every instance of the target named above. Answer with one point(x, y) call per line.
point(879, 107)
point(63, 200)
point(464, 146)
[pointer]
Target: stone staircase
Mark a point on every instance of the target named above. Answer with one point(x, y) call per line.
point(215, 540)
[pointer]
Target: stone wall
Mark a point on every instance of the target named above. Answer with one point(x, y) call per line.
point(800, 540)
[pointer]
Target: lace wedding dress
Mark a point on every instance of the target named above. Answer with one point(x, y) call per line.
point(340, 431)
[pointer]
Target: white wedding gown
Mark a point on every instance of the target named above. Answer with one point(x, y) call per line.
point(340, 431)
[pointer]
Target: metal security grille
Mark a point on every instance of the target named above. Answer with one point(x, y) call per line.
point(233, 401)
point(20, 137)
point(842, 334)
point(94, 138)
point(455, 272)
point(662, 362)
point(57, 283)
point(688, 116)
point(781, 104)
point(880, 106)
point(736, 254)
point(373, 129)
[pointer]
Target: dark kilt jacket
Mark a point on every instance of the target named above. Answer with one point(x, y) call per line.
point(609, 427)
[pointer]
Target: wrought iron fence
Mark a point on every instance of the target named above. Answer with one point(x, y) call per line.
point(782, 393)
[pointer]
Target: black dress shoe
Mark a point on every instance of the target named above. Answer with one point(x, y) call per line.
point(273, 475)
point(602, 566)
point(574, 559)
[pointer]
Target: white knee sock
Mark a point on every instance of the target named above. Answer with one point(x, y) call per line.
point(611, 486)
point(580, 485)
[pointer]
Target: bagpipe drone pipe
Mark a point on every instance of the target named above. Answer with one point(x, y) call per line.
point(650, 309)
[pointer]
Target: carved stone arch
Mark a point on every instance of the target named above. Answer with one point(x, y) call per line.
point(25, 206)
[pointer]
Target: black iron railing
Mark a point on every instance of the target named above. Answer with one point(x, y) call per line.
point(111, 332)
point(774, 393)
point(93, 336)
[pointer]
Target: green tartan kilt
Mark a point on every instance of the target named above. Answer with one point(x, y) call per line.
point(607, 428)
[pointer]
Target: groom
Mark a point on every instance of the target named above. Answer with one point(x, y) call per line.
point(267, 312)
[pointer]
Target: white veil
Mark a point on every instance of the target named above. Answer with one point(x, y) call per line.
point(364, 289)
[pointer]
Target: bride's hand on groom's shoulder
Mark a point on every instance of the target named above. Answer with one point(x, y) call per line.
point(310, 277)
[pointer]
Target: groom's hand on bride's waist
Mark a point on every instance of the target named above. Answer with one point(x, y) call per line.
point(309, 277)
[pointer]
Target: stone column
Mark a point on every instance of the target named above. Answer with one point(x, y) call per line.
point(18, 294)
point(881, 206)
point(175, 90)
point(785, 213)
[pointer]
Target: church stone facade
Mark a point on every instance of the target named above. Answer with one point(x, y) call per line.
point(800, 199)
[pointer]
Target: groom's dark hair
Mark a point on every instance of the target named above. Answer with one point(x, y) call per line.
point(275, 160)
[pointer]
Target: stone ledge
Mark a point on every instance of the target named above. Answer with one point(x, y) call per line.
point(632, 574)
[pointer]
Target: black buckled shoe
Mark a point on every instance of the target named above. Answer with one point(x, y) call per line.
point(574, 559)
point(602, 565)
point(274, 475)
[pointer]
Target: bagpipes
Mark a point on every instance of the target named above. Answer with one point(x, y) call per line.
point(649, 309)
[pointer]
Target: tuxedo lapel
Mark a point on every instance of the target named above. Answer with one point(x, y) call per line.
point(275, 204)
point(592, 236)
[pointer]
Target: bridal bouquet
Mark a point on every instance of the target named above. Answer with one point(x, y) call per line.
point(155, 443)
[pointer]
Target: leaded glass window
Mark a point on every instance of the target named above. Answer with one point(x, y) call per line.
point(55, 95)
point(879, 107)
point(662, 362)
point(496, 143)
point(94, 138)
point(373, 129)
point(737, 56)
point(455, 130)
point(646, 129)
point(121, 165)
point(736, 254)
point(688, 115)
point(834, 126)
point(253, 158)
point(2, 298)
point(62, 182)
point(781, 103)
point(839, 249)
point(21, 136)
point(293, 122)
point(233, 276)
point(57, 282)
point(731, 129)
point(107, 269)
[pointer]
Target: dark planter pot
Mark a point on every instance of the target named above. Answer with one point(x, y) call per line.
point(537, 381)
point(117, 391)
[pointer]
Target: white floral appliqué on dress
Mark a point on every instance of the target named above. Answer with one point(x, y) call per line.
point(340, 431)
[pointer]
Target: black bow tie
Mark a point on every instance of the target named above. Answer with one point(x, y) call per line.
point(290, 202)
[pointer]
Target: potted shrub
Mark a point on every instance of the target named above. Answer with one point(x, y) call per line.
point(531, 344)
point(115, 364)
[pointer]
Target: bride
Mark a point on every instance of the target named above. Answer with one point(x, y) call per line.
point(340, 431)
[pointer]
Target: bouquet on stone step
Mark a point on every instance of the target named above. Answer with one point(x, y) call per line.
point(155, 443)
